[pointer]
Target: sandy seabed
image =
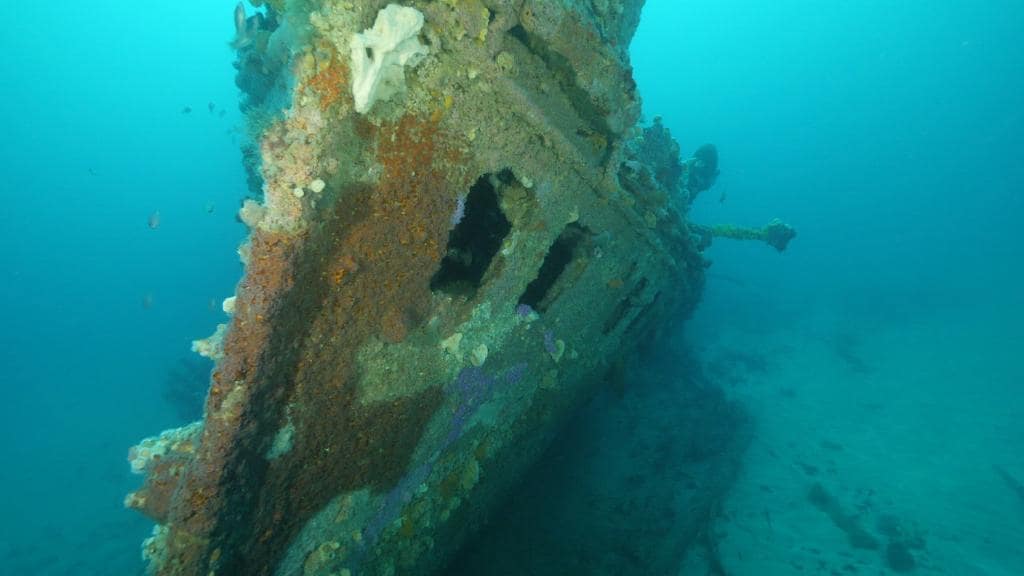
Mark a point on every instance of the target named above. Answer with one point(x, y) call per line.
point(878, 444)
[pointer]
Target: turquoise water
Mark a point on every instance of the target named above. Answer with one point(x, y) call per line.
point(97, 306)
point(878, 358)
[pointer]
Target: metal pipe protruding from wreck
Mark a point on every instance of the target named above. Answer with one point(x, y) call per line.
point(776, 233)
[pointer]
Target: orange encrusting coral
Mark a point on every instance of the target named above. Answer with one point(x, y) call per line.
point(363, 272)
point(330, 82)
point(370, 264)
point(154, 498)
point(193, 515)
point(411, 217)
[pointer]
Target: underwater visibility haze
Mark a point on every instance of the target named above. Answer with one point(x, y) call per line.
point(512, 287)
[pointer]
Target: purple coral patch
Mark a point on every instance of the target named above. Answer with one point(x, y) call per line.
point(549, 342)
point(515, 374)
point(460, 210)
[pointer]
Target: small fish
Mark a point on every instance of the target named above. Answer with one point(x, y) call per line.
point(721, 198)
point(92, 172)
point(147, 301)
point(186, 110)
point(210, 107)
point(208, 207)
point(154, 220)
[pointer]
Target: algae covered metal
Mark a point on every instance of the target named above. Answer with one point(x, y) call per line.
point(457, 230)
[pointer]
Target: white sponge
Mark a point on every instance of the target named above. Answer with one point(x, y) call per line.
point(379, 55)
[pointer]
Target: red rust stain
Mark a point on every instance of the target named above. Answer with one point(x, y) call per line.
point(330, 82)
point(304, 308)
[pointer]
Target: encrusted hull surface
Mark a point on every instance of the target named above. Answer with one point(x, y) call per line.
point(430, 286)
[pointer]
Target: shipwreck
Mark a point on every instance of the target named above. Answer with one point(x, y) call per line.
point(458, 227)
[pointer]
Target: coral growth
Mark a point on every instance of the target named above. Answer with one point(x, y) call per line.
point(776, 233)
point(380, 55)
point(355, 417)
point(213, 346)
point(185, 387)
point(701, 170)
point(259, 68)
point(330, 81)
point(163, 459)
point(657, 149)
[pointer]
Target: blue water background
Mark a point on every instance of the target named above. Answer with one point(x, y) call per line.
point(888, 133)
point(94, 142)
